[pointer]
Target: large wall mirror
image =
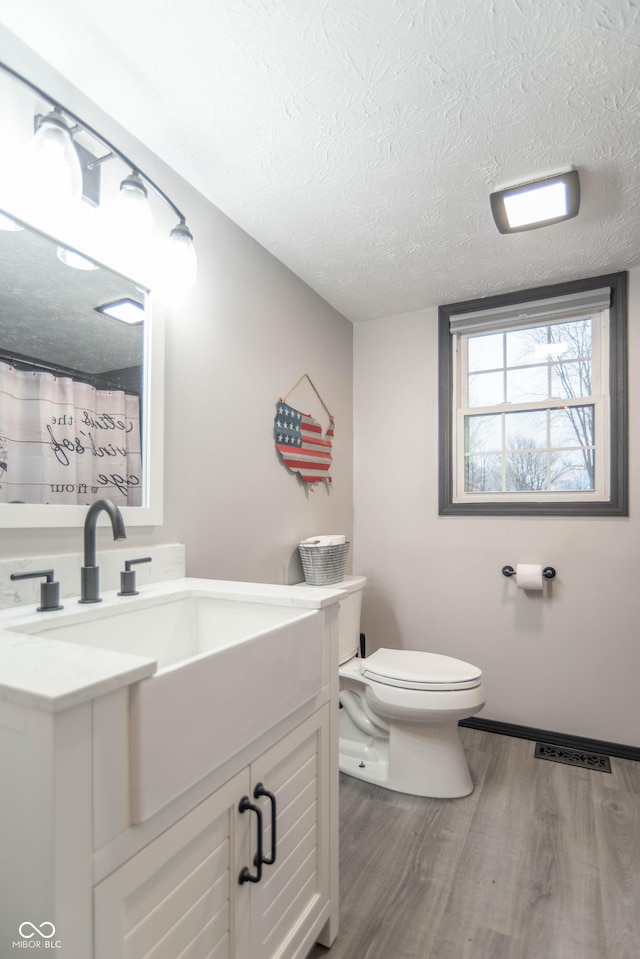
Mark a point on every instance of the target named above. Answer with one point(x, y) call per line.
point(80, 386)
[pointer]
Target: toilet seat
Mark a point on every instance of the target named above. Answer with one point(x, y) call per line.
point(411, 669)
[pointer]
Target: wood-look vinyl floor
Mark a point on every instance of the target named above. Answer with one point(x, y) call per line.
point(542, 861)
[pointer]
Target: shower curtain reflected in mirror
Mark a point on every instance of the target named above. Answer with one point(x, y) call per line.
point(65, 442)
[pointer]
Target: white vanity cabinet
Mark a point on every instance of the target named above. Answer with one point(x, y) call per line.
point(121, 879)
point(290, 905)
point(178, 893)
point(181, 895)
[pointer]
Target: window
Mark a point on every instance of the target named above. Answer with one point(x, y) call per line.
point(533, 402)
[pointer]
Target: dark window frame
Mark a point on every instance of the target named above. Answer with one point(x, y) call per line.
point(617, 504)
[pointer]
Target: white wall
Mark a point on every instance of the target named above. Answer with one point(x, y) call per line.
point(568, 660)
point(234, 345)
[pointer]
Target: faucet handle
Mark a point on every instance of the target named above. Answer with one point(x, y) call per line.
point(49, 590)
point(128, 576)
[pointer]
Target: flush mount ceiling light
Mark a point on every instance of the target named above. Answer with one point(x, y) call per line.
point(528, 206)
point(62, 167)
point(74, 259)
point(125, 310)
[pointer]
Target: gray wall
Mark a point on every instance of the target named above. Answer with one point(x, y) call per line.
point(251, 330)
point(234, 345)
point(567, 660)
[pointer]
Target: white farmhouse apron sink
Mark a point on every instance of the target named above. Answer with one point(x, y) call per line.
point(228, 669)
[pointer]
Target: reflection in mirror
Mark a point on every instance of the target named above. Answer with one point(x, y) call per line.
point(72, 378)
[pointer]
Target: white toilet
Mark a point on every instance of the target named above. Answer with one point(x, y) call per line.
point(400, 710)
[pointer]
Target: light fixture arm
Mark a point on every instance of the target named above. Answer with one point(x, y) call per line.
point(97, 161)
point(81, 125)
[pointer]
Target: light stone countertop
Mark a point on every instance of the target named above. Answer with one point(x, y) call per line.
point(50, 674)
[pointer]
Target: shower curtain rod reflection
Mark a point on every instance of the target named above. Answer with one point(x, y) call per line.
point(97, 380)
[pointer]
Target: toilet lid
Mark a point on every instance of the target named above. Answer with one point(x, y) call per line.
point(416, 670)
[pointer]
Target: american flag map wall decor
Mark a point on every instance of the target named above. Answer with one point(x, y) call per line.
point(301, 445)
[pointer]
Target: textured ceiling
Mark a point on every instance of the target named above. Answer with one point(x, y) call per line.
point(35, 284)
point(358, 140)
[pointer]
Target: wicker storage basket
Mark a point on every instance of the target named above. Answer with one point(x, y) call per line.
point(324, 565)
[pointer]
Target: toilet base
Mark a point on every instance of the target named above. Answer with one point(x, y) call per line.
point(426, 761)
point(367, 760)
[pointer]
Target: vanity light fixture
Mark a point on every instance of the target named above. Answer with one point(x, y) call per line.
point(9, 224)
point(183, 256)
point(56, 164)
point(125, 310)
point(135, 216)
point(549, 351)
point(537, 203)
point(66, 162)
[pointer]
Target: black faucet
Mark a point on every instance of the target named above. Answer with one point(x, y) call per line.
point(90, 573)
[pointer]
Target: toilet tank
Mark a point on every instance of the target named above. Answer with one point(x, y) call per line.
point(349, 617)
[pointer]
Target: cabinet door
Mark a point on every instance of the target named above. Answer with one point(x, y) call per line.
point(291, 903)
point(178, 896)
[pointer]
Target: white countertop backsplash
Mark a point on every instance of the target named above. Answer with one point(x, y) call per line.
point(168, 562)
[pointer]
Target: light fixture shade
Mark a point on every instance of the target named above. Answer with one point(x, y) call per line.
point(135, 219)
point(9, 224)
point(182, 254)
point(528, 206)
point(55, 161)
point(74, 259)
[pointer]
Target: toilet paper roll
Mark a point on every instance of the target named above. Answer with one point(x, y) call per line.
point(529, 576)
point(331, 539)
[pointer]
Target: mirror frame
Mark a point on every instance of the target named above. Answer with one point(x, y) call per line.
point(47, 516)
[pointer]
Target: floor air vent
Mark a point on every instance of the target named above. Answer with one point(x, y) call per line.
point(573, 757)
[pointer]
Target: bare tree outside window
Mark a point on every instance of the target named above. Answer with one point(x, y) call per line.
point(526, 469)
point(539, 364)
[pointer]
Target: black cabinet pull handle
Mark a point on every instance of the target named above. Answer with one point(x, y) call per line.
point(246, 875)
point(257, 793)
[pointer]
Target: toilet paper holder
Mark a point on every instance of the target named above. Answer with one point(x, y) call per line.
point(548, 572)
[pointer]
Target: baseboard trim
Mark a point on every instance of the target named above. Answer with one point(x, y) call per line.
point(553, 738)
